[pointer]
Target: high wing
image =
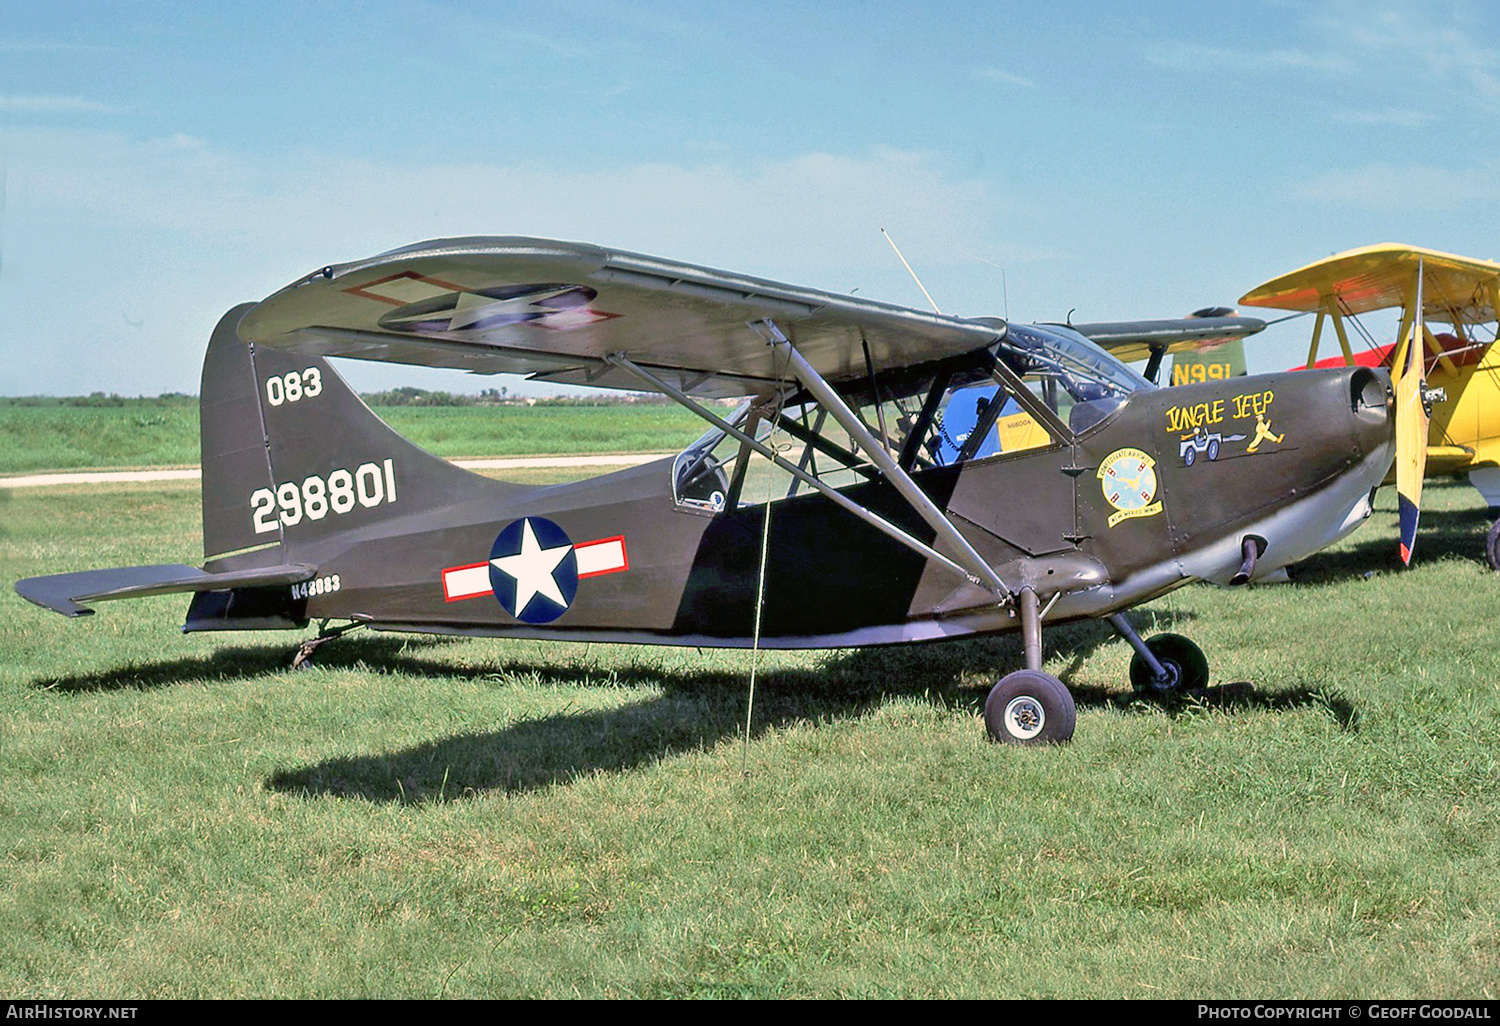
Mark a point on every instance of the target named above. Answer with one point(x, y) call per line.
point(562, 311)
point(1456, 289)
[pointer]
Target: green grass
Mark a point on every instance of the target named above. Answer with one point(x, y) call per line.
point(183, 816)
point(152, 432)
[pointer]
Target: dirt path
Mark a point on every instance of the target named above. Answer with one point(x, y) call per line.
point(193, 473)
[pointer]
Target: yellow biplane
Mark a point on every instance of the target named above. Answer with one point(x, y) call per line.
point(1446, 382)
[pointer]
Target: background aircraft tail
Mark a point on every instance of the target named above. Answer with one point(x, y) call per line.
point(291, 454)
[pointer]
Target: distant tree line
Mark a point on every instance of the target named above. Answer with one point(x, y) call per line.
point(99, 399)
point(408, 396)
point(405, 396)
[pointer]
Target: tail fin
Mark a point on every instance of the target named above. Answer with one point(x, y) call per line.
point(291, 455)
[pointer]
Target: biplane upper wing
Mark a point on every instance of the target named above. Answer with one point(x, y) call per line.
point(560, 310)
point(1456, 289)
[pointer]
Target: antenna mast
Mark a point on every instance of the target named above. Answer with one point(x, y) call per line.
point(910, 271)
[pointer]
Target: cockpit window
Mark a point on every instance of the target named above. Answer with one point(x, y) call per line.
point(699, 478)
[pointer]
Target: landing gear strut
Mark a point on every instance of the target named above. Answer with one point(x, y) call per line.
point(303, 659)
point(1030, 707)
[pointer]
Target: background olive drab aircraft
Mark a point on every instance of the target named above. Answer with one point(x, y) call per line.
point(1214, 363)
point(832, 507)
point(1446, 384)
point(1206, 345)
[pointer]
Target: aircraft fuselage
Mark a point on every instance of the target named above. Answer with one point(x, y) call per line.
point(1163, 491)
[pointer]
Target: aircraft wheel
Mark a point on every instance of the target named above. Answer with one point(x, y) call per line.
point(1185, 663)
point(1492, 546)
point(1030, 707)
point(303, 658)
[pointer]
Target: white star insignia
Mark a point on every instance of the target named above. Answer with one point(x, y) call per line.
point(532, 569)
point(472, 309)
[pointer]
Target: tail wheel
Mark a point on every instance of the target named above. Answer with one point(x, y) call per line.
point(1030, 707)
point(1185, 663)
point(1492, 546)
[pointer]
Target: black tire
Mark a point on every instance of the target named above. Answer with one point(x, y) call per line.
point(1030, 707)
point(1185, 663)
point(1492, 546)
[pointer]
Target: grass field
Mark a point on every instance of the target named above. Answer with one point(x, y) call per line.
point(183, 816)
point(151, 432)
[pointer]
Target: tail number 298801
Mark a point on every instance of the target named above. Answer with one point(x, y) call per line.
point(368, 485)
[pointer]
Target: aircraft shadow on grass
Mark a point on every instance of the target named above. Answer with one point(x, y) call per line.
point(1442, 534)
point(699, 709)
point(694, 710)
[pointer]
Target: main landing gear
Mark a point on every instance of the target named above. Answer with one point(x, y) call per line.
point(1030, 707)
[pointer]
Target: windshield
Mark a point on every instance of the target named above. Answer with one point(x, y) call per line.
point(1078, 380)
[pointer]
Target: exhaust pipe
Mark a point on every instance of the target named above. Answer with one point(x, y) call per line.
point(1252, 547)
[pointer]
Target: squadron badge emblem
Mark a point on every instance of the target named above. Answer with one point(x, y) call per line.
point(1128, 478)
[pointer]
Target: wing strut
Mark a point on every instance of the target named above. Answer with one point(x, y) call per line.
point(924, 507)
point(840, 499)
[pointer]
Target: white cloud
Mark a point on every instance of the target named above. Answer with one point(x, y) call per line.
point(1388, 187)
point(1392, 116)
point(811, 210)
point(996, 75)
point(1198, 57)
point(48, 46)
point(54, 105)
point(1437, 42)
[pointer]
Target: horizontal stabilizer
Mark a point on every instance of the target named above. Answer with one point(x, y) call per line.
point(63, 593)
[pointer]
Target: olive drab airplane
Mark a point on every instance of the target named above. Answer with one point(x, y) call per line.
point(1216, 330)
point(1447, 382)
point(838, 504)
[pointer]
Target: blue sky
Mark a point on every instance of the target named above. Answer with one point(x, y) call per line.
point(164, 161)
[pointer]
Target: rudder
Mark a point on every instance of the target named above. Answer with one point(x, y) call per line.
point(291, 454)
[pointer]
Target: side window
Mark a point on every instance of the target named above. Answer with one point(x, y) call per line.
point(702, 473)
point(982, 418)
point(922, 422)
point(968, 410)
